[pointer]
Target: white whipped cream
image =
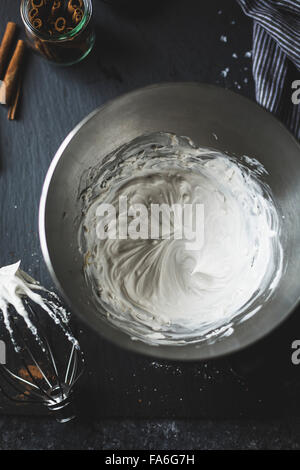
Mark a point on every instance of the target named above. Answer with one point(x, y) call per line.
point(16, 289)
point(157, 290)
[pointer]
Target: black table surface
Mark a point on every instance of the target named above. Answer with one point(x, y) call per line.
point(163, 41)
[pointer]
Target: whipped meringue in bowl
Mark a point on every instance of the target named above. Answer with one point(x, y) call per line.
point(158, 290)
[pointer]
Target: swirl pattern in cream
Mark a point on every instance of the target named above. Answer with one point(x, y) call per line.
point(158, 290)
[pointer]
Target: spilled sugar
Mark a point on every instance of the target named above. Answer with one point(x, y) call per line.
point(224, 72)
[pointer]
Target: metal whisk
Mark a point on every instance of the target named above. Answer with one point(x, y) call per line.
point(44, 360)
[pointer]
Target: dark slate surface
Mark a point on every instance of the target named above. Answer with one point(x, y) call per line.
point(150, 435)
point(164, 41)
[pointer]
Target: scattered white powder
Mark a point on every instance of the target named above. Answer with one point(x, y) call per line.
point(224, 72)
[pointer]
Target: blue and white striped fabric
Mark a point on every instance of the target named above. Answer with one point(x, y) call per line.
point(276, 56)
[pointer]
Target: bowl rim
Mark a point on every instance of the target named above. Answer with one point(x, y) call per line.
point(152, 350)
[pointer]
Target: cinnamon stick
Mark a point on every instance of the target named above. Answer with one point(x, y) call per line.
point(55, 7)
point(37, 23)
point(6, 45)
point(10, 81)
point(60, 24)
point(73, 4)
point(33, 13)
point(14, 106)
point(37, 3)
point(53, 18)
point(77, 15)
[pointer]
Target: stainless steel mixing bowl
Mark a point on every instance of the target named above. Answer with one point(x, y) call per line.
point(200, 112)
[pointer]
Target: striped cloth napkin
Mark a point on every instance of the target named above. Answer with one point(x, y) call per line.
point(276, 56)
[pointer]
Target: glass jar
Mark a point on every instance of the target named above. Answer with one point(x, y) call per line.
point(51, 34)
